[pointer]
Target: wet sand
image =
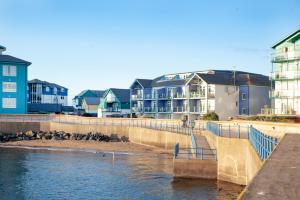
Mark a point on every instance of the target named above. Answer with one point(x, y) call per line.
point(95, 145)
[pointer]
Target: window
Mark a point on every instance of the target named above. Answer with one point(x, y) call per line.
point(244, 96)
point(55, 90)
point(9, 103)
point(62, 98)
point(9, 87)
point(9, 70)
point(47, 89)
point(62, 89)
point(244, 111)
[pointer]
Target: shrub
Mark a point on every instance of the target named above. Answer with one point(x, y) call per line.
point(212, 116)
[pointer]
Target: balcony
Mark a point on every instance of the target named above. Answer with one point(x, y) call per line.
point(164, 96)
point(149, 109)
point(197, 95)
point(149, 96)
point(136, 109)
point(136, 97)
point(179, 109)
point(164, 109)
point(286, 56)
point(287, 75)
point(195, 109)
point(112, 110)
point(284, 93)
point(211, 95)
point(179, 96)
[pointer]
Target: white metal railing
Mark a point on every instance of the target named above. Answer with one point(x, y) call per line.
point(179, 109)
point(285, 56)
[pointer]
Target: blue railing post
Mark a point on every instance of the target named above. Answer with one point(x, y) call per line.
point(201, 153)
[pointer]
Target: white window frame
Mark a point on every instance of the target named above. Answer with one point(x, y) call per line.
point(244, 95)
point(9, 70)
point(244, 109)
point(9, 87)
point(9, 103)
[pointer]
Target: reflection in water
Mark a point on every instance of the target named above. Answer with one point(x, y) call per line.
point(43, 174)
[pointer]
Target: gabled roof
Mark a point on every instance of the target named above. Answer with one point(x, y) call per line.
point(146, 83)
point(92, 100)
point(11, 59)
point(97, 93)
point(291, 36)
point(46, 83)
point(122, 94)
point(227, 77)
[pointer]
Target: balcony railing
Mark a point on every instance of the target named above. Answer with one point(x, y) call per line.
point(179, 109)
point(149, 109)
point(179, 96)
point(137, 109)
point(211, 95)
point(149, 96)
point(195, 95)
point(286, 75)
point(286, 56)
point(112, 110)
point(164, 109)
point(284, 93)
point(194, 109)
point(164, 96)
point(136, 97)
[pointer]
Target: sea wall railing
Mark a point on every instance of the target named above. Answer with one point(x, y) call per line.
point(187, 153)
point(231, 131)
point(262, 143)
point(162, 125)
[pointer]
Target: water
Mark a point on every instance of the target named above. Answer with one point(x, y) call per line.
point(35, 174)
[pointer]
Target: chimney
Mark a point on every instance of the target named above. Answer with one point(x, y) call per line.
point(2, 48)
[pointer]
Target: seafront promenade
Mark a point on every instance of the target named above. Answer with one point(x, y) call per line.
point(232, 151)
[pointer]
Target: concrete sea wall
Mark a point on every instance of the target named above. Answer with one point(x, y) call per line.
point(157, 138)
point(237, 160)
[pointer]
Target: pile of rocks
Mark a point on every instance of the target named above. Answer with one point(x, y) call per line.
point(60, 135)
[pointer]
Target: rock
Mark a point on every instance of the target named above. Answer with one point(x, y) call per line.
point(124, 139)
point(30, 134)
point(114, 138)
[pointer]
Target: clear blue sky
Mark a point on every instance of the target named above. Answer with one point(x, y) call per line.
point(108, 43)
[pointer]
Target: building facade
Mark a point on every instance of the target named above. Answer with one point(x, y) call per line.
point(286, 75)
point(193, 94)
point(78, 99)
point(13, 84)
point(43, 92)
point(90, 105)
point(115, 103)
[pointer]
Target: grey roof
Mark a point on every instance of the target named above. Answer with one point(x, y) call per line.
point(92, 100)
point(122, 94)
point(227, 77)
point(98, 93)
point(11, 59)
point(146, 83)
point(46, 83)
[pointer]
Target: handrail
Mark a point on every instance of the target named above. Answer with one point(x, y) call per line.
point(262, 143)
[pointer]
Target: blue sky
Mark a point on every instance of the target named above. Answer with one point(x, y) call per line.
point(97, 44)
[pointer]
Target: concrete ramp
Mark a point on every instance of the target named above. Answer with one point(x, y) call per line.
point(279, 177)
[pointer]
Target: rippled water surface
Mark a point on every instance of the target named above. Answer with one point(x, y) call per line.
point(43, 174)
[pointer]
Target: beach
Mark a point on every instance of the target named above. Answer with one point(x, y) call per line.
point(95, 145)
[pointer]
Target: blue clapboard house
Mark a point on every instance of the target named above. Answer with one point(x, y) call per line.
point(13, 84)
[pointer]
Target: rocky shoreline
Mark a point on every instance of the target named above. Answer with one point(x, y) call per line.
point(60, 135)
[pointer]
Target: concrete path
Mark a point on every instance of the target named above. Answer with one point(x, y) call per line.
point(279, 177)
point(202, 143)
